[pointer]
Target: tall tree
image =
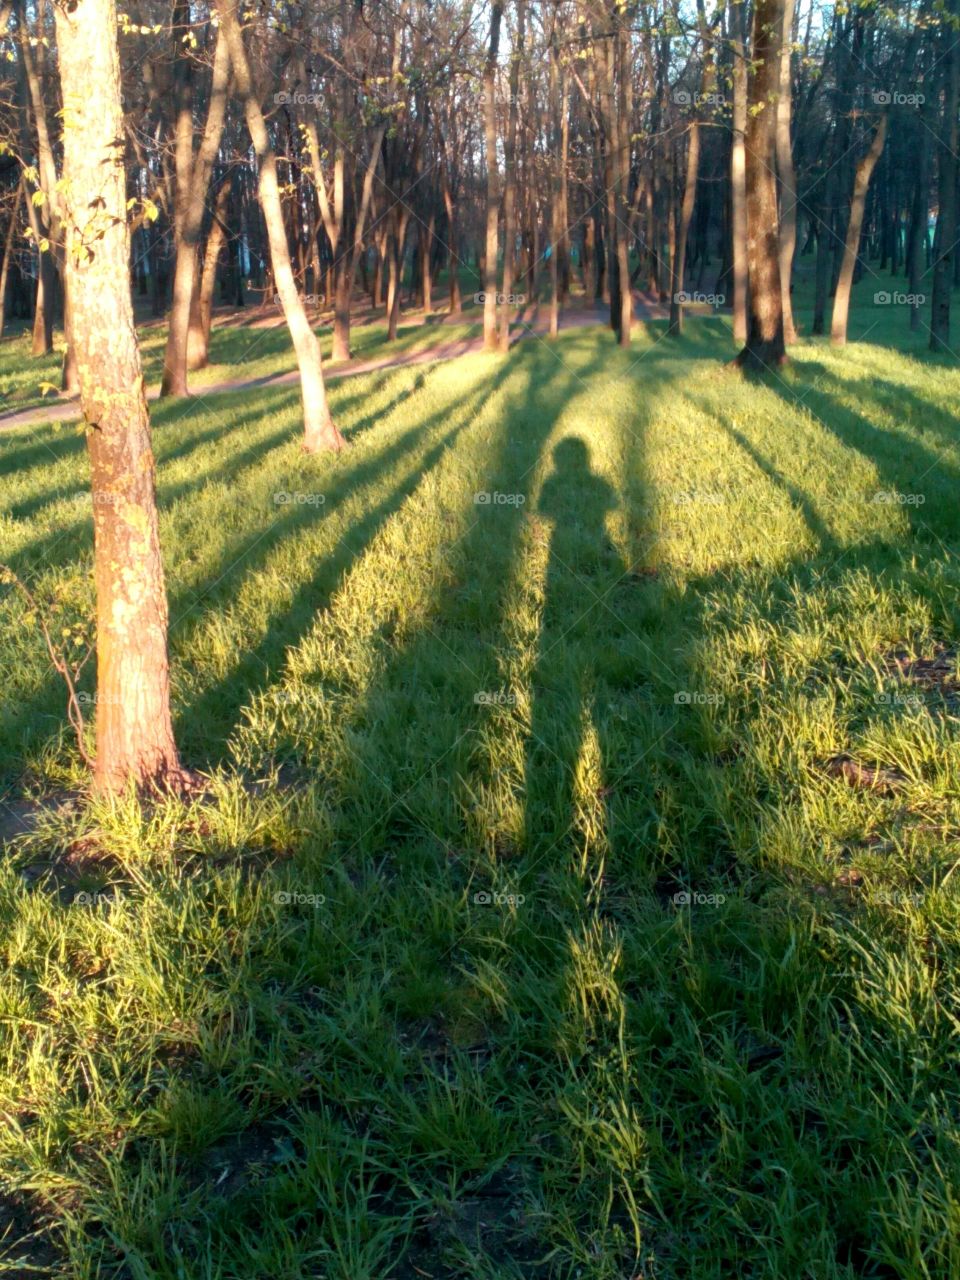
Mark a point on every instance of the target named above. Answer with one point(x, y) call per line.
point(851, 246)
point(319, 430)
point(786, 173)
point(193, 170)
point(490, 338)
point(134, 732)
point(945, 248)
point(738, 169)
point(764, 347)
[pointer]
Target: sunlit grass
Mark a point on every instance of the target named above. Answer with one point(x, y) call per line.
point(413, 992)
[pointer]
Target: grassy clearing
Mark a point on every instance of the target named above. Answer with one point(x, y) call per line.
point(527, 929)
point(237, 353)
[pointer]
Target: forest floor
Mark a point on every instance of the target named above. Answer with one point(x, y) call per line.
point(574, 894)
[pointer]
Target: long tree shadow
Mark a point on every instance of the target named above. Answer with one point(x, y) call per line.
point(246, 553)
point(177, 440)
point(220, 704)
point(909, 469)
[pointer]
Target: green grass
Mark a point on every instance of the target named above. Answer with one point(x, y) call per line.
point(238, 352)
point(290, 1041)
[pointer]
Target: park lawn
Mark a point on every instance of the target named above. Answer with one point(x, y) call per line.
point(238, 352)
point(527, 928)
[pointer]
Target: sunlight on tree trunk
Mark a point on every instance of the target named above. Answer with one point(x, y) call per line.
point(192, 183)
point(851, 247)
point(738, 174)
point(490, 340)
point(787, 175)
point(765, 346)
point(947, 190)
point(134, 730)
point(319, 430)
point(201, 317)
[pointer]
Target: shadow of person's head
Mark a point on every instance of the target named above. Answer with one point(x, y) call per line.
point(571, 457)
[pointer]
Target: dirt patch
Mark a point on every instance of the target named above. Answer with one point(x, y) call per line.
point(938, 672)
point(27, 1248)
point(865, 776)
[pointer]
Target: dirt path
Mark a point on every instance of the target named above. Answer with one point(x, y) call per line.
point(530, 324)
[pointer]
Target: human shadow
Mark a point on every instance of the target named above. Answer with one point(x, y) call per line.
point(582, 568)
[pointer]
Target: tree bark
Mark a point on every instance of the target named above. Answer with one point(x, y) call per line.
point(738, 174)
point(134, 731)
point(198, 339)
point(675, 325)
point(947, 191)
point(490, 340)
point(787, 175)
point(764, 347)
point(7, 251)
point(319, 430)
point(510, 181)
point(193, 181)
point(841, 301)
point(453, 238)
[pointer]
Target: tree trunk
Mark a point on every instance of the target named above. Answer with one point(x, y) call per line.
point(43, 307)
point(738, 175)
point(947, 192)
point(918, 229)
point(198, 344)
point(319, 431)
point(558, 109)
point(134, 730)
point(426, 261)
point(7, 252)
point(822, 271)
point(193, 181)
point(490, 340)
point(764, 347)
point(841, 301)
point(787, 175)
point(69, 373)
point(675, 325)
point(453, 236)
point(510, 177)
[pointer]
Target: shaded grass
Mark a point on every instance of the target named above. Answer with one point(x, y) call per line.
point(417, 990)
